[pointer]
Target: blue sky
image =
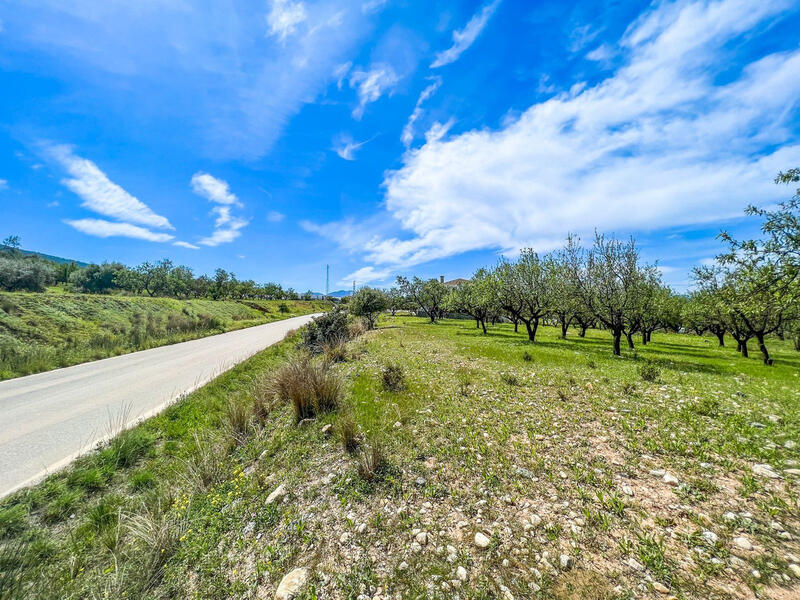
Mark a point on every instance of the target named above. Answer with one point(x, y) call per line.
point(390, 137)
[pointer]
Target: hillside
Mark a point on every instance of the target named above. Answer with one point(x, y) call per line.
point(457, 465)
point(39, 332)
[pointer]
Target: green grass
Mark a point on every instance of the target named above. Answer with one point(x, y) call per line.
point(549, 455)
point(39, 332)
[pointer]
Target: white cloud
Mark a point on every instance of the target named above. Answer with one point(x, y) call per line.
point(99, 193)
point(371, 85)
point(213, 189)
point(186, 245)
point(602, 53)
point(345, 146)
point(227, 226)
point(464, 38)
point(104, 229)
point(408, 131)
point(659, 143)
point(245, 83)
point(284, 17)
point(3, 184)
point(274, 216)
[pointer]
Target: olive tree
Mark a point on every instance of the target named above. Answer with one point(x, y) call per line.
point(428, 295)
point(368, 303)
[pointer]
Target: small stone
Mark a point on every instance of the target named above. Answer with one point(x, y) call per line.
point(670, 479)
point(422, 538)
point(292, 584)
point(660, 588)
point(249, 528)
point(635, 564)
point(658, 472)
point(756, 574)
point(789, 444)
point(523, 472)
point(710, 537)
point(794, 472)
point(507, 595)
point(361, 528)
point(729, 516)
point(536, 520)
point(327, 429)
point(795, 569)
point(627, 490)
point(481, 541)
point(764, 470)
point(277, 495)
point(743, 543)
point(420, 481)
point(566, 562)
point(505, 562)
point(402, 566)
point(397, 425)
point(343, 539)
point(461, 573)
point(757, 425)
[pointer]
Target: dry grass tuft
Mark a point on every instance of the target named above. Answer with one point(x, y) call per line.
point(357, 328)
point(393, 378)
point(347, 429)
point(237, 422)
point(335, 351)
point(371, 460)
point(311, 386)
point(582, 585)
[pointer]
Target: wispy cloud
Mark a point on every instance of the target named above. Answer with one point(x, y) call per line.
point(99, 193)
point(274, 216)
point(661, 142)
point(408, 131)
point(186, 245)
point(104, 229)
point(464, 38)
point(284, 17)
point(3, 184)
point(345, 146)
point(213, 189)
point(227, 226)
point(372, 84)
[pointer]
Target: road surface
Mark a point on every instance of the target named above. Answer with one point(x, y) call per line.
point(48, 419)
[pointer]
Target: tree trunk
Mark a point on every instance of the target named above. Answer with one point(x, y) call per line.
point(644, 338)
point(535, 327)
point(617, 339)
point(477, 323)
point(483, 324)
point(721, 337)
point(516, 325)
point(763, 347)
point(797, 342)
point(629, 337)
point(649, 336)
point(583, 331)
point(564, 327)
point(743, 349)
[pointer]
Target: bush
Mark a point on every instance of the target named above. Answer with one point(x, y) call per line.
point(368, 303)
point(25, 275)
point(393, 378)
point(649, 371)
point(336, 351)
point(310, 386)
point(327, 329)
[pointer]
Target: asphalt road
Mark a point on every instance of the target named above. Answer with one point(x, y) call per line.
point(48, 419)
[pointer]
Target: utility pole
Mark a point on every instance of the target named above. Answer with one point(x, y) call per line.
point(354, 287)
point(327, 280)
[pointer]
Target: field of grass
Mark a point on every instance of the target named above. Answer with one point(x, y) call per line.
point(39, 332)
point(478, 467)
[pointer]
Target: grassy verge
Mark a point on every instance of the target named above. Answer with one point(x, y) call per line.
point(459, 464)
point(39, 332)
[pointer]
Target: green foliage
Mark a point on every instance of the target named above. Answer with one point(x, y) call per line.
point(649, 371)
point(393, 378)
point(368, 303)
point(330, 328)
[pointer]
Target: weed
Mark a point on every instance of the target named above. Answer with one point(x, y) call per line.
point(237, 421)
point(393, 378)
point(348, 431)
point(510, 379)
point(526, 356)
point(125, 449)
point(371, 461)
point(648, 371)
point(90, 479)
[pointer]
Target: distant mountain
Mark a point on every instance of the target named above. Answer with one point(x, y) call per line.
point(336, 294)
point(50, 257)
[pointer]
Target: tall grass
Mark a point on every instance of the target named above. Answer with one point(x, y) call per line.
point(309, 385)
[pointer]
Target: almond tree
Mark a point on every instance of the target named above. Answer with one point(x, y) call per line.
point(474, 298)
point(427, 295)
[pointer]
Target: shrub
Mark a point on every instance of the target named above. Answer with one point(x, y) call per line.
point(368, 303)
point(8, 306)
point(25, 274)
point(309, 385)
point(510, 379)
point(527, 356)
point(335, 351)
point(357, 328)
point(393, 378)
point(283, 307)
point(329, 328)
point(649, 371)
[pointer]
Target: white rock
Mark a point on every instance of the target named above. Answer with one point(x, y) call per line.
point(327, 429)
point(422, 538)
point(277, 495)
point(566, 562)
point(292, 584)
point(536, 520)
point(789, 444)
point(795, 569)
point(361, 528)
point(627, 490)
point(670, 479)
point(710, 537)
point(481, 541)
point(402, 566)
point(507, 595)
point(743, 543)
point(461, 573)
point(764, 470)
point(397, 425)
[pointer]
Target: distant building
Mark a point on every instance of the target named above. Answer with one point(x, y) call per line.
point(453, 282)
